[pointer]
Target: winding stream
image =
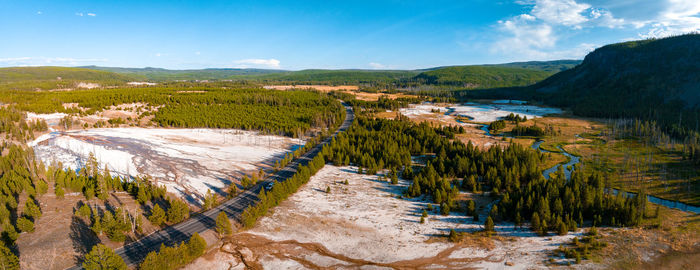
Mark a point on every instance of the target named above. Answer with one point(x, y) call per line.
point(573, 160)
point(571, 163)
point(568, 166)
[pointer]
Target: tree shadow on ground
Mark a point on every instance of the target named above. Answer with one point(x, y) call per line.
point(82, 237)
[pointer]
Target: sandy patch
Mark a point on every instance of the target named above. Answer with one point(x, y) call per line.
point(141, 83)
point(87, 85)
point(51, 119)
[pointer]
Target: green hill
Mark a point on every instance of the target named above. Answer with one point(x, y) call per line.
point(548, 66)
point(160, 74)
point(655, 79)
point(347, 76)
point(17, 74)
point(481, 76)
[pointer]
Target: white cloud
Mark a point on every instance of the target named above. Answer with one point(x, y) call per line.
point(79, 14)
point(679, 17)
point(535, 34)
point(92, 14)
point(197, 53)
point(564, 12)
point(264, 63)
point(38, 13)
point(49, 61)
point(376, 65)
point(523, 34)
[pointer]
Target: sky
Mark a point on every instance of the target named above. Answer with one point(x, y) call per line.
point(328, 34)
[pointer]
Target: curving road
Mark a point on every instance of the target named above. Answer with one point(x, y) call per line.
point(134, 252)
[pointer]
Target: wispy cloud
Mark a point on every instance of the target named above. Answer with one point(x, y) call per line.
point(264, 63)
point(39, 13)
point(376, 65)
point(49, 61)
point(82, 14)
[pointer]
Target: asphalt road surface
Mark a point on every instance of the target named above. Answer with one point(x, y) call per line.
point(133, 253)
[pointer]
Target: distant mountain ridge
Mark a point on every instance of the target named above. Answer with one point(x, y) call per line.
point(484, 76)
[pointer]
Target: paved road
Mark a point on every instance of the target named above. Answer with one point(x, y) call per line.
point(134, 252)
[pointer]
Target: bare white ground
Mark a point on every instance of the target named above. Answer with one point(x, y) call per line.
point(365, 220)
point(187, 161)
point(482, 113)
point(51, 119)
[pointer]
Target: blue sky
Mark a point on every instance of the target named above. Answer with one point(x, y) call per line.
point(326, 34)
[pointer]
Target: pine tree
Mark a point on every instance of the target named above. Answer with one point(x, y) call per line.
point(157, 215)
point(232, 191)
point(102, 258)
point(223, 225)
point(178, 211)
point(453, 236)
point(209, 200)
point(561, 228)
point(535, 222)
point(84, 211)
point(8, 260)
point(471, 208)
point(25, 225)
point(488, 225)
point(142, 197)
point(31, 209)
point(196, 246)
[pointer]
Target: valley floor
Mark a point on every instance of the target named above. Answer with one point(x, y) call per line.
point(364, 225)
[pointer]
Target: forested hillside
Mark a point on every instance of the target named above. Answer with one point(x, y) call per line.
point(15, 74)
point(548, 66)
point(290, 113)
point(161, 74)
point(655, 79)
point(477, 76)
point(480, 76)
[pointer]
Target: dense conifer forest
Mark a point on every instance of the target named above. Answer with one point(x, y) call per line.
point(290, 113)
point(510, 175)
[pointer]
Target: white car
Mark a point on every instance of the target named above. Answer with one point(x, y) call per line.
point(269, 186)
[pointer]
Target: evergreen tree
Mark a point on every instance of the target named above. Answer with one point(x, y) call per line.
point(209, 200)
point(8, 260)
point(102, 258)
point(196, 246)
point(223, 225)
point(178, 211)
point(157, 215)
point(84, 211)
point(535, 222)
point(25, 225)
point(488, 225)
